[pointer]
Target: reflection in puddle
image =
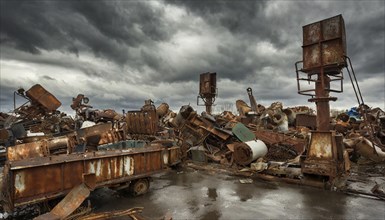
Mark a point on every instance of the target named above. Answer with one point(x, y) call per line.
point(212, 193)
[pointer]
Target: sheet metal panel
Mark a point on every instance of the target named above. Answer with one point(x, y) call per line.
point(320, 146)
point(142, 122)
point(39, 95)
point(324, 44)
point(27, 150)
point(208, 85)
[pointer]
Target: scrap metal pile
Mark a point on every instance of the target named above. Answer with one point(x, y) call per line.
point(223, 138)
point(38, 129)
point(49, 154)
point(265, 140)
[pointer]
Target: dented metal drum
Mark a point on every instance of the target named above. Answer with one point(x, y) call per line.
point(162, 110)
point(247, 152)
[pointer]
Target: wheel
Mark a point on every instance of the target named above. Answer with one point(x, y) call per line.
point(139, 187)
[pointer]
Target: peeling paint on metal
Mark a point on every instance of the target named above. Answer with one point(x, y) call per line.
point(128, 166)
point(91, 168)
point(19, 182)
point(321, 146)
point(98, 168)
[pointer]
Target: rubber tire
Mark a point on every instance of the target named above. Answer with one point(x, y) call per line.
point(139, 187)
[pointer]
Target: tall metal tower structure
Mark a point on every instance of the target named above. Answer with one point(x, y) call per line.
point(207, 90)
point(324, 57)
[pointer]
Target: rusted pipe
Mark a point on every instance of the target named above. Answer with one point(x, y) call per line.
point(253, 103)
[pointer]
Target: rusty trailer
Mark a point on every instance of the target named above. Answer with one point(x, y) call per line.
point(36, 180)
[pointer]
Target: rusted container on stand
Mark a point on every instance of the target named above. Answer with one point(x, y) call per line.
point(324, 57)
point(324, 45)
point(207, 90)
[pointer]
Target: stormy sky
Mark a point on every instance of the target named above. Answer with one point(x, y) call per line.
point(120, 53)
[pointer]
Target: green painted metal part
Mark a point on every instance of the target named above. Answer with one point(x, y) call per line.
point(243, 133)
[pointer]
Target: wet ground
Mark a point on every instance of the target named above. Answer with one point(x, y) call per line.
point(191, 194)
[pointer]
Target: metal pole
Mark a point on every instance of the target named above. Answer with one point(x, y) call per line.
point(209, 104)
point(322, 101)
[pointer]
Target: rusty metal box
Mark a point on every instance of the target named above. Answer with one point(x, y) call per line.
point(306, 120)
point(142, 122)
point(324, 44)
point(208, 85)
point(39, 95)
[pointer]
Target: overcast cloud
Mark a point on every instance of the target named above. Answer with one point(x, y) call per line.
point(119, 53)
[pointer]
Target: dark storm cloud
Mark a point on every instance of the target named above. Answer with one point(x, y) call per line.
point(239, 17)
point(367, 46)
point(122, 45)
point(86, 67)
point(249, 21)
point(108, 28)
point(117, 20)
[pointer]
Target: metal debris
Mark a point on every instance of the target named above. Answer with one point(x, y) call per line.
point(48, 154)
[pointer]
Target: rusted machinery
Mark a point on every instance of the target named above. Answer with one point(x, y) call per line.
point(39, 97)
point(38, 179)
point(208, 90)
point(253, 103)
point(38, 114)
point(143, 122)
point(49, 165)
point(324, 51)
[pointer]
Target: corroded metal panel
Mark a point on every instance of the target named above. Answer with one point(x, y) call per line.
point(153, 161)
point(324, 44)
point(311, 33)
point(140, 162)
point(24, 151)
point(306, 120)
point(142, 122)
point(321, 145)
point(38, 148)
point(207, 85)
point(36, 181)
point(70, 174)
point(319, 167)
point(39, 95)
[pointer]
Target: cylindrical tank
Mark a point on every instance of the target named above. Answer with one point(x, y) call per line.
point(247, 152)
point(162, 110)
point(182, 115)
point(258, 147)
point(58, 142)
point(185, 111)
point(280, 119)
